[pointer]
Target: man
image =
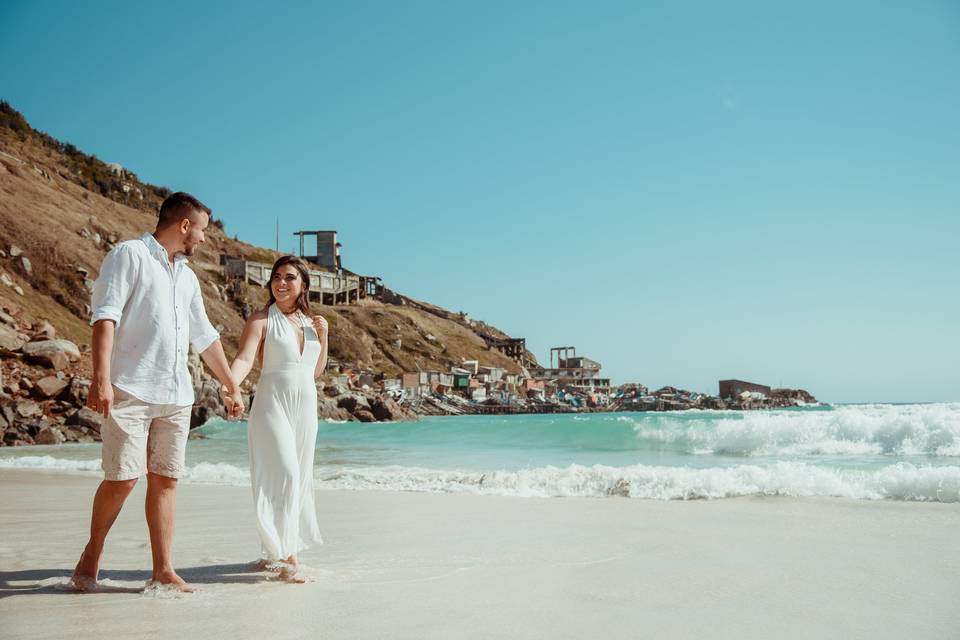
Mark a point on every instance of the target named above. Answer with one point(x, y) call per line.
point(147, 310)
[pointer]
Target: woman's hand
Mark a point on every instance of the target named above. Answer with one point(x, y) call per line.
point(232, 401)
point(320, 326)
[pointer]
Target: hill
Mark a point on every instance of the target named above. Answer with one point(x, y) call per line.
point(61, 210)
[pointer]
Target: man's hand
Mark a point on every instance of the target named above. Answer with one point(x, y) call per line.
point(100, 397)
point(232, 401)
point(320, 326)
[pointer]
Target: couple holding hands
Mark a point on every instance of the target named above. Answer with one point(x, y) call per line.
point(147, 312)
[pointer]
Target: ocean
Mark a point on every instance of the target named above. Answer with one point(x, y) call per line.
point(868, 452)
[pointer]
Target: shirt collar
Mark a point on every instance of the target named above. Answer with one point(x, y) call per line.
point(158, 251)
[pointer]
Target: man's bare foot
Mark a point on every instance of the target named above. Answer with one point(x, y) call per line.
point(291, 573)
point(171, 579)
point(85, 574)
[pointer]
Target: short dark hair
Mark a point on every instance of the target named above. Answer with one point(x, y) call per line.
point(178, 206)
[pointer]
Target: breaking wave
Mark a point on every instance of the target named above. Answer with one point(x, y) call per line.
point(901, 481)
point(896, 430)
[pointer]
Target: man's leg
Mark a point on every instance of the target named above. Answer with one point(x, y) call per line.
point(166, 452)
point(106, 507)
point(161, 508)
point(124, 457)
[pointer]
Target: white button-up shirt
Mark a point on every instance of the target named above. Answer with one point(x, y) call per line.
point(158, 311)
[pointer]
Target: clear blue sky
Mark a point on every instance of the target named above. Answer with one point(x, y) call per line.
point(685, 191)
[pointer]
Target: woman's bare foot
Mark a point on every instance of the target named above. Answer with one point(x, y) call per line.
point(291, 573)
point(171, 579)
point(85, 574)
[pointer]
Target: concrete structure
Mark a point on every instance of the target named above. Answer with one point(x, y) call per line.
point(568, 369)
point(324, 250)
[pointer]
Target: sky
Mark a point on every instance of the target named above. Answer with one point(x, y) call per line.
point(684, 191)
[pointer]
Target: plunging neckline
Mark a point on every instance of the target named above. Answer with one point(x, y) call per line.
point(303, 329)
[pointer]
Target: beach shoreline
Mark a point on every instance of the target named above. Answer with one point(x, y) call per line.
point(422, 565)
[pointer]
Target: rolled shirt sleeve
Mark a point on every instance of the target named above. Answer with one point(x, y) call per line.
point(202, 333)
point(114, 284)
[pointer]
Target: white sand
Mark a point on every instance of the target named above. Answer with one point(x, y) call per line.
point(407, 565)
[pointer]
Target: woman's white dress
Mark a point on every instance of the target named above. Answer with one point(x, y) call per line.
point(281, 434)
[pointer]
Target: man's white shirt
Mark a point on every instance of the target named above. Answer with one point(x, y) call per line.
point(158, 310)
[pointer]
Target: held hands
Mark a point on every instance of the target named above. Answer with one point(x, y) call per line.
point(232, 401)
point(100, 397)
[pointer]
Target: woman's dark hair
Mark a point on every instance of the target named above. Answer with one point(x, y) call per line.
point(303, 301)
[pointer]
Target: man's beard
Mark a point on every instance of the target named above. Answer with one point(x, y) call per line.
point(189, 249)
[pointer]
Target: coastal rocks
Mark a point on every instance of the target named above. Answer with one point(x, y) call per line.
point(45, 350)
point(77, 392)
point(50, 387)
point(49, 435)
point(353, 403)
point(327, 409)
point(86, 418)
point(335, 389)
point(384, 409)
point(364, 415)
point(43, 331)
point(11, 338)
point(28, 409)
point(207, 403)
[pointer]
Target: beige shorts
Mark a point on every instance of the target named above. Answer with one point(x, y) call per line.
point(139, 437)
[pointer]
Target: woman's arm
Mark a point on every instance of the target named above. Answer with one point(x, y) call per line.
point(250, 341)
point(320, 326)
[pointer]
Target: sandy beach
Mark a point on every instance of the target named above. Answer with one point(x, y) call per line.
point(418, 565)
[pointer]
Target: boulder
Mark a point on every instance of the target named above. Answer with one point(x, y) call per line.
point(18, 289)
point(327, 409)
point(77, 391)
point(353, 402)
point(15, 251)
point(384, 409)
point(49, 435)
point(335, 388)
point(10, 338)
point(27, 267)
point(207, 404)
point(17, 439)
point(87, 418)
point(50, 387)
point(364, 415)
point(45, 349)
point(26, 384)
point(44, 331)
point(27, 409)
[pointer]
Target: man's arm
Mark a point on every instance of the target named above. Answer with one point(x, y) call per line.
point(216, 359)
point(100, 396)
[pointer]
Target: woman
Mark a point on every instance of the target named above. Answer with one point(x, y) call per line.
point(282, 427)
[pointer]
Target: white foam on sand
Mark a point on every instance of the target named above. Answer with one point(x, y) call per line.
point(901, 481)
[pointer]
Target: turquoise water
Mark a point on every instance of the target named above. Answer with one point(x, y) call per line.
point(860, 451)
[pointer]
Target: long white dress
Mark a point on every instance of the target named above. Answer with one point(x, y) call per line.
point(281, 436)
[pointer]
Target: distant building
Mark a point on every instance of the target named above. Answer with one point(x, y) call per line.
point(326, 251)
point(731, 389)
point(571, 370)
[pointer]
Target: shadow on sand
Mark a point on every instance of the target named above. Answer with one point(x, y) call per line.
point(46, 581)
